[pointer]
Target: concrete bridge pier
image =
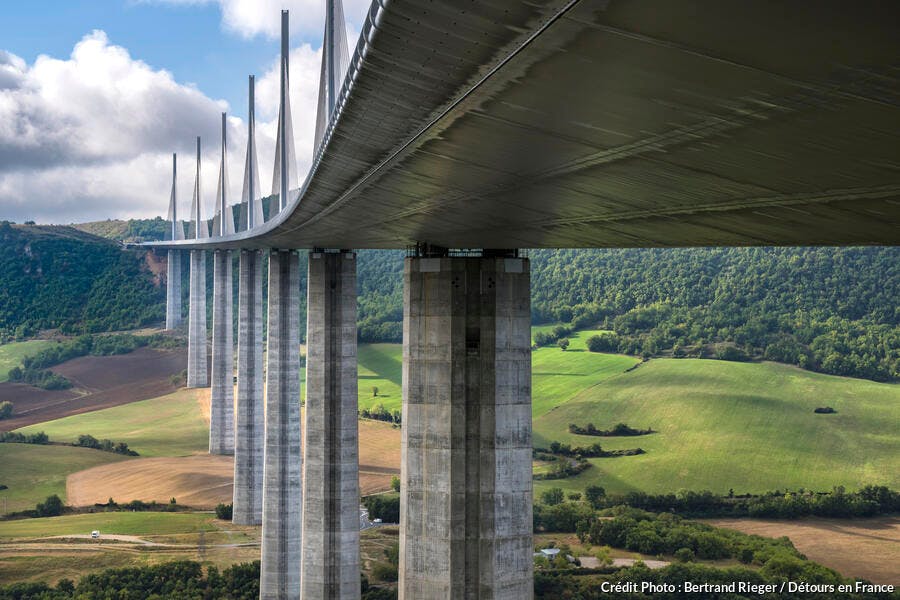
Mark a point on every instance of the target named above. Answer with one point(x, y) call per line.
point(330, 557)
point(197, 352)
point(466, 491)
point(221, 410)
point(173, 290)
point(282, 494)
point(249, 423)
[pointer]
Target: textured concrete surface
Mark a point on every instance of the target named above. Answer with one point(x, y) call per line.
point(173, 290)
point(250, 410)
point(330, 556)
point(466, 492)
point(282, 494)
point(221, 410)
point(197, 345)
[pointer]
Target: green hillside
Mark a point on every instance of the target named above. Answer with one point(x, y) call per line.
point(33, 472)
point(166, 426)
point(11, 354)
point(722, 425)
point(53, 276)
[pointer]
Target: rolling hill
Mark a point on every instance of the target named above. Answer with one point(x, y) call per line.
point(724, 425)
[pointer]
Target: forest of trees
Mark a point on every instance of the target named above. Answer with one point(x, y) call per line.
point(831, 310)
point(57, 277)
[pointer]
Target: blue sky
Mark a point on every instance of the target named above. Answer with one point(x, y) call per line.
point(186, 39)
point(96, 95)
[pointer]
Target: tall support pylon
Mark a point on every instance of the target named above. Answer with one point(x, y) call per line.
point(249, 425)
point(282, 492)
point(330, 561)
point(221, 412)
point(173, 263)
point(465, 476)
point(285, 156)
point(251, 203)
point(197, 353)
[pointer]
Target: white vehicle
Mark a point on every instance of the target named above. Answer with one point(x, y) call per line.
point(95, 534)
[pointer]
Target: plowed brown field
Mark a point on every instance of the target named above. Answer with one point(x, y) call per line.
point(99, 382)
point(868, 548)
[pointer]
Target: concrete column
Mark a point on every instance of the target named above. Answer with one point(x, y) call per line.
point(466, 492)
point(282, 494)
point(197, 354)
point(173, 290)
point(221, 409)
point(330, 560)
point(249, 423)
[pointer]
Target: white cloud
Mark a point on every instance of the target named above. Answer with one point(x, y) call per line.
point(91, 137)
point(250, 18)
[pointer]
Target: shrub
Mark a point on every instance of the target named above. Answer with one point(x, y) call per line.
point(552, 497)
point(606, 342)
point(732, 353)
point(51, 507)
point(6, 409)
point(594, 494)
point(384, 572)
point(395, 483)
point(224, 511)
point(684, 555)
point(822, 410)
point(563, 344)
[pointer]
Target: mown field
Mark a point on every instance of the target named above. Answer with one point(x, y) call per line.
point(723, 425)
point(11, 354)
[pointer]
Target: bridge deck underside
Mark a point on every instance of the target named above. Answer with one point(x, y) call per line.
point(613, 124)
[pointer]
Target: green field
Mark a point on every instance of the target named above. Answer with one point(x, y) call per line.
point(725, 425)
point(557, 376)
point(33, 472)
point(171, 425)
point(380, 365)
point(118, 523)
point(11, 355)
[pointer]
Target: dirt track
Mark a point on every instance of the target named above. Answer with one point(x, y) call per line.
point(99, 382)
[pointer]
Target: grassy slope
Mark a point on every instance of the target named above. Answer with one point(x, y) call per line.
point(11, 355)
point(171, 425)
point(557, 376)
point(34, 472)
point(380, 365)
point(725, 425)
